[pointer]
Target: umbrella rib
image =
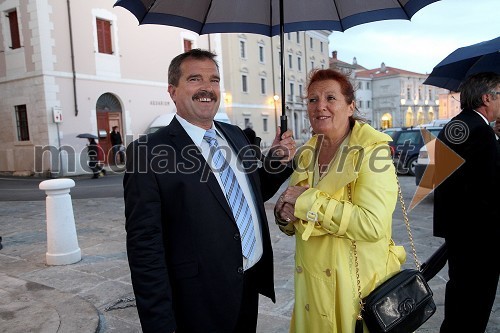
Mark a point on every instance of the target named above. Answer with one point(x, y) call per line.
point(338, 14)
point(404, 10)
point(206, 15)
point(147, 11)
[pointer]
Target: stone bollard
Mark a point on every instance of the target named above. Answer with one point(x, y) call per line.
point(62, 243)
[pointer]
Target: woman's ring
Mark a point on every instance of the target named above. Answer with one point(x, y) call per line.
point(287, 219)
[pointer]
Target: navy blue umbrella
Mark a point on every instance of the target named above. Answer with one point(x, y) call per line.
point(472, 59)
point(269, 17)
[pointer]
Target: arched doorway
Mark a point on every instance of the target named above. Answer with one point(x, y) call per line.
point(420, 117)
point(386, 121)
point(409, 118)
point(109, 114)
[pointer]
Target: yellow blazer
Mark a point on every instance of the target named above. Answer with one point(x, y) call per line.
point(326, 296)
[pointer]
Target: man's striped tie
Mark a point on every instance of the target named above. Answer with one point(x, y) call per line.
point(234, 195)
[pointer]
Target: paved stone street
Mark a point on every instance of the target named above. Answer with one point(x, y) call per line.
point(35, 297)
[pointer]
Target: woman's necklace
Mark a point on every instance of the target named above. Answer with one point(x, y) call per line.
point(327, 154)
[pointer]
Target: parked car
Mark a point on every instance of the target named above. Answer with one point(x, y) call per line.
point(424, 163)
point(391, 131)
point(406, 145)
point(165, 119)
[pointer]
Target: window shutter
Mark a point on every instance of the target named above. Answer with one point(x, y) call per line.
point(14, 30)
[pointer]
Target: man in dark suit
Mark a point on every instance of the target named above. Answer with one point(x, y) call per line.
point(190, 271)
point(465, 204)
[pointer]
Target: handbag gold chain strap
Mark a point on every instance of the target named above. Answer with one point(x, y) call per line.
point(355, 252)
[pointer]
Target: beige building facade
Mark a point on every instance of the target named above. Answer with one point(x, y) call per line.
point(252, 79)
point(72, 67)
point(398, 97)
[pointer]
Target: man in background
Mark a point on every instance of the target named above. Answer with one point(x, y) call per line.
point(117, 143)
point(465, 204)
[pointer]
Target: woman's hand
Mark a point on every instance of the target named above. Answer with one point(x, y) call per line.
point(285, 206)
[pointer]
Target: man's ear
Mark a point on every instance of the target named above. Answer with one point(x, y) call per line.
point(171, 91)
point(486, 99)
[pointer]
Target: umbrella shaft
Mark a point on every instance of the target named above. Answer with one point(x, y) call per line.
point(282, 62)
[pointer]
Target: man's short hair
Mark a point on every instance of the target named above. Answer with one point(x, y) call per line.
point(174, 70)
point(475, 86)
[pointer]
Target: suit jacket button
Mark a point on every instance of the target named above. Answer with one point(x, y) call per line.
point(240, 270)
point(236, 236)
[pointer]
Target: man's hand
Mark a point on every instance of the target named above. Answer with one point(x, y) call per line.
point(283, 147)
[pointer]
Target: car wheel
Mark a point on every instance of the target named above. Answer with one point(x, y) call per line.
point(412, 163)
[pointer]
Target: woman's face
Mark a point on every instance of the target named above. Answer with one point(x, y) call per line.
point(327, 108)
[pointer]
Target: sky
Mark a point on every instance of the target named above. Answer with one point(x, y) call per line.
point(418, 45)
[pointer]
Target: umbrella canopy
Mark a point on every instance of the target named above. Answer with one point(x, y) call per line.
point(269, 17)
point(86, 136)
point(263, 16)
point(472, 59)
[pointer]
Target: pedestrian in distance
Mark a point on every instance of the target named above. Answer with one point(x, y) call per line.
point(95, 157)
point(340, 198)
point(117, 143)
point(198, 240)
point(465, 213)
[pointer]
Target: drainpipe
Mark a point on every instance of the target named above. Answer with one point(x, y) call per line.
point(72, 58)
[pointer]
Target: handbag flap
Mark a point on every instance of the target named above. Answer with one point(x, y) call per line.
point(396, 298)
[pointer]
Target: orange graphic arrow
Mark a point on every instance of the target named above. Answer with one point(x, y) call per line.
point(450, 162)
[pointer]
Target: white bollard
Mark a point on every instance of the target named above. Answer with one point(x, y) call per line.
point(62, 243)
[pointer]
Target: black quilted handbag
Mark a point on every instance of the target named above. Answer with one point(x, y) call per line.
point(402, 303)
point(399, 305)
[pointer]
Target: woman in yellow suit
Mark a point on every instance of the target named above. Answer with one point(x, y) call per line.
point(342, 194)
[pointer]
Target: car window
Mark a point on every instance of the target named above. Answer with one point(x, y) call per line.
point(435, 132)
point(413, 137)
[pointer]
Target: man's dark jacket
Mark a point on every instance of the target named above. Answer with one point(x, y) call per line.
point(183, 244)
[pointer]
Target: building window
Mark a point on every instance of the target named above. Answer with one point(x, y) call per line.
point(246, 122)
point(23, 133)
point(289, 35)
point(261, 53)
point(299, 64)
point(243, 49)
point(264, 124)
point(262, 86)
point(300, 91)
point(311, 44)
point(408, 93)
point(367, 85)
point(430, 94)
point(321, 46)
point(312, 64)
point(290, 65)
point(188, 45)
point(368, 104)
point(298, 37)
point(104, 44)
point(15, 38)
point(360, 104)
point(244, 83)
point(292, 92)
